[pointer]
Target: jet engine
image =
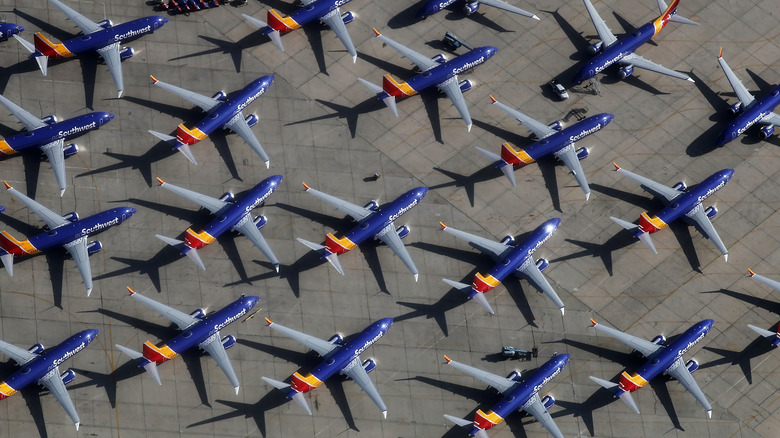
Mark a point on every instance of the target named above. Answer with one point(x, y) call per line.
point(548, 401)
point(542, 264)
point(465, 85)
point(68, 376)
point(736, 108)
point(766, 131)
point(70, 149)
point(227, 197)
point(36, 349)
point(219, 95)
point(470, 7)
point(439, 58)
point(372, 205)
point(680, 186)
point(595, 48)
point(347, 17)
point(252, 120)
point(658, 340)
point(626, 71)
point(403, 231)
point(71, 217)
point(711, 211)
point(556, 125)
point(94, 247)
point(369, 365)
point(126, 53)
point(509, 240)
point(514, 375)
point(692, 365)
point(582, 153)
point(49, 120)
point(228, 341)
point(335, 339)
point(198, 314)
point(260, 221)
point(105, 24)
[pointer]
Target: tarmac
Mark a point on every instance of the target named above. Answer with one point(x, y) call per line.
point(319, 125)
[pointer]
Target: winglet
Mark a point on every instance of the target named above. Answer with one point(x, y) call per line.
point(159, 180)
point(132, 292)
point(492, 99)
point(443, 227)
point(154, 79)
point(751, 272)
point(306, 187)
point(720, 54)
point(616, 166)
point(268, 321)
point(7, 186)
point(377, 32)
point(593, 321)
point(447, 359)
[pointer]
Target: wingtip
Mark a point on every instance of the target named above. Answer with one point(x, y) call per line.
point(492, 99)
point(154, 79)
point(562, 312)
point(377, 32)
point(752, 273)
point(306, 187)
point(132, 292)
point(593, 321)
point(468, 127)
point(447, 358)
point(62, 192)
point(119, 94)
point(416, 276)
point(276, 267)
point(267, 164)
point(354, 59)
point(89, 291)
point(236, 388)
point(268, 321)
point(726, 258)
point(384, 414)
point(7, 186)
point(77, 424)
point(587, 196)
point(159, 180)
point(443, 227)
point(691, 80)
point(535, 18)
point(616, 166)
point(720, 53)
point(709, 413)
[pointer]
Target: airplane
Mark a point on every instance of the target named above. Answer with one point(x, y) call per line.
point(518, 395)
point(748, 110)
point(325, 11)
point(610, 50)
point(69, 232)
point(42, 365)
point(101, 37)
point(661, 359)
point(338, 357)
point(436, 72)
point(221, 112)
point(198, 330)
point(431, 7)
point(680, 204)
point(48, 135)
point(511, 257)
point(7, 30)
point(373, 222)
point(774, 336)
point(231, 214)
point(554, 140)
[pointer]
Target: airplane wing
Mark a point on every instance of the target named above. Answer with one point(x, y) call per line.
point(242, 129)
point(606, 35)
point(181, 319)
point(56, 155)
point(531, 272)
point(28, 120)
point(336, 24)
point(638, 61)
point(78, 250)
point(251, 232)
point(322, 347)
point(773, 118)
point(205, 103)
point(360, 376)
point(539, 129)
point(507, 7)
point(53, 382)
point(699, 216)
point(569, 157)
point(665, 193)
point(390, 237)
point(216, 350)
point(18, 354)
point(213, 205)
point(767, 281)
point(641, 345)
point(110, 54)
point(421, 61)
point(680, 372)
point(537, 409)
point(357, 212)
point(501, 384)
point(743, 94)
point(490, 247)
point(451, 88)
point(85, 24)
point(52, 219)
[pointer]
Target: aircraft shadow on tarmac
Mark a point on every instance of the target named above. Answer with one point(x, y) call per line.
point(32, 397)
point(408, 17)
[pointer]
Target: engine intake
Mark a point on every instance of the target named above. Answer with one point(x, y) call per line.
point(766, 131)
point(711, 211)
point(595, 48)
point(692, 365)
point(68, 376)
point(403, 231)
point(94, 247)
point(542, 264)
point(36, 349)
point(228, 341)
point(369, 365)
point(736, 108)
point(260, 221)
point(582, 153)
point(252, 120)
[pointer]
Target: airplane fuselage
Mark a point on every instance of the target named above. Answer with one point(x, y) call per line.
point(49, 133)
point(750, 116)
point(223, 114)
point(342, 359)
point(61, 236)
point(202, 332)
point(47, 361)
point(521, 393)
point(7, 30)
point(514, 260)
point(685, 203)
point(614, 53)
point(233, 215)
point(664, 358)
point(314, 11)
point(372, 225)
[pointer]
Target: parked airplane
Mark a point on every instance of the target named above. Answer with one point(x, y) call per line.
point(661, 359)
point(373, 222)
point(338, 357)
point(773, 336)
point(48, 136)
point(554, 140)
point(42, 366)
point(67, 232)
point(431, 7)
point(325, 11)
point(7, 30)
point(102, 37)
point(436, 72)
point(610, 50)
point(518, 395)
point(680, 204)
point(511, 258)
point(221, 112)
point(198, 330)
point(748, 110)
point(231, 214)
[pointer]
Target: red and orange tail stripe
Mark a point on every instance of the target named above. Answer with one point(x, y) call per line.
point(338, 246)
point(5, 148)
point(305, 383)
point(196, 240)
point(663, 20)
point(158, 354)
point(631, 383)
point(395, 88)
point(282, 24)
point(515, 157)
point(189, 136)
point(650, 224)
point(484, 283)
point(485, 421)
point(6, 390)
point(16, 247)
point(50, 49)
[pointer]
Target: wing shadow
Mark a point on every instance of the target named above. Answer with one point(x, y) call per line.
point(758, 347)
point(150, 267)
point(468, 182)
point(142, 163)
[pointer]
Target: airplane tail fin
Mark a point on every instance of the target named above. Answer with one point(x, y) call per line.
point(623, 395)
point(508, 170)
point(296, 396)
point(327, 255)
point(272, 33)
point(479, 297)
point(670, 14)
point(150, 366)
point(386, 98)
point(767, 334)
point(641, 235)
point(191, 253)
point(42, 60)
point(181, 147)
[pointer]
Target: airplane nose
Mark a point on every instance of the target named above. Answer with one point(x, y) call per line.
point(110, 116)
point(19, 28)
point(131, 211)
point(91, 334)
point(253, 300)
point(609, 118)
point(492, 51)
point(728, 173)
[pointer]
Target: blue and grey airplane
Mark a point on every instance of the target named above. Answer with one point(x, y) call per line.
point(431, 7)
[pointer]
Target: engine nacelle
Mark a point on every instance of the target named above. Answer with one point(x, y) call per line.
point(126, 53)
point(252, 120)
point(71, 149)
point(736, 108)
point(372, 205)
point(509, 240)
point(542, 264)
point(228, 341)
point(514, 375)
point(403, 231)
point(347, 17)
point(335, 339)
point(68, 376)
point(105, 24)
point(556, 125)
point(595, 48)
point(439, 58)
point(260, 221)
point(766, 131)
point(227, 197)
point(658, 340)
point(711, 211)
point(36, 349)
point(680, 186)
point(71, 217)
point(465, 85)
point(548, 401)
point(626, 71)
point(369, 365)
point(219, 95)
point(94, 247)
point(692, 365)
point(49, 120)
point(470, 7)
point(198, 314)
point(582, 153)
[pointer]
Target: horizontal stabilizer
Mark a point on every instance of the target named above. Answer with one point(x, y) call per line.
point(275, 383)
point(645, 238)
point(181, 147)
point(274, 34)
point(300, 401)
point(388, 100)
point(678, 19)
point(43, 61)
point(373, 87)
point(762, 332)
point(185, 150)
point(176, 243)
point(459, 421)
point(625, 224)
point(508, 170)
point(150, 367)
point(164, 137)
point(327, 255)
point(625, 395)
point(479, 297)
point(8, 262)
point(605, 383)
point(191, 253)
